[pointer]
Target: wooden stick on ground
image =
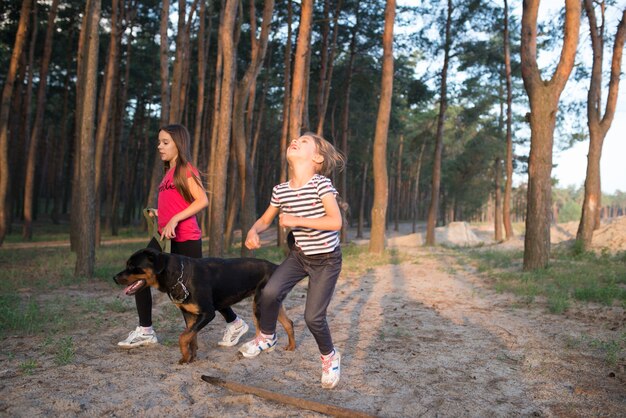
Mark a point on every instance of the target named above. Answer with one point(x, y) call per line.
point(286, 399)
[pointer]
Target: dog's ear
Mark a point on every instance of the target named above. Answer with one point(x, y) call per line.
point(154, 258)
point(160, 262)
point(150, 253)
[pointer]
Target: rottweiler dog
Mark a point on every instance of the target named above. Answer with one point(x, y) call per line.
point(199, 287)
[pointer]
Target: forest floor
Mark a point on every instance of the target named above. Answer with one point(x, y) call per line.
point(424, 336)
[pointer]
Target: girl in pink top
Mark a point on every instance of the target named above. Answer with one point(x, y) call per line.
point(181, 197)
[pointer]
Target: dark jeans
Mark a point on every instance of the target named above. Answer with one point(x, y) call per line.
point(323, 271)
point(143, 298)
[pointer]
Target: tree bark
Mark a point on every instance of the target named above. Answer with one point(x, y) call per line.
point(240, 127)
point(361, 222)
point(29, 186)
point(5, 109)
point(164, 46)
point(115, 169)
point(433, 209)
point(105, 112)
point(379, 164)
point(544, 98)
point(181, 62)
point(216, 237)
point(65, 141)
point(25, 127)
point(217, 91)
point(598, 124)
point(508, 185)
point(300, 70)
point(202, 54)
point(497, 173)
point(345, 115)
point(416, 187)
point(328, 60)
point(281, 233)
point(86, 202)
point(398, 203)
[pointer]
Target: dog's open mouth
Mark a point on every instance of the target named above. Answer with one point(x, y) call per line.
point(135, 287)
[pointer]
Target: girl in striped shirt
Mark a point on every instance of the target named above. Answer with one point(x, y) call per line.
point(307, 204)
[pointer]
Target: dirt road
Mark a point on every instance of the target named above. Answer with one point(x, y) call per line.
point(424, 337)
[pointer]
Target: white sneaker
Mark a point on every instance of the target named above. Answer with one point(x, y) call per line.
point(233, 333)
point(139, 337)
point(331, 370)
point(254, 347)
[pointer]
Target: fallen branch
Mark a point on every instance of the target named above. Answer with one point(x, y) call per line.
point(286, 399)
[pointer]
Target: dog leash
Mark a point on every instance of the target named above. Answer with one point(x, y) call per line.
point(179, 282)
point(153, 229)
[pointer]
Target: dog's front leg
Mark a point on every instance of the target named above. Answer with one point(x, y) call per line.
point(187, 341)
point(201, 321)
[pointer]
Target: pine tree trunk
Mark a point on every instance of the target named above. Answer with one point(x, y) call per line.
point(598, 124)
point(216, 237)
point(202, 53)
point(37, 127)
point(433, 210)
point(398, 199)
point(105, 112)
point(345, 114)
point(177, 71)
point(359, 231)
point(232, 200)
point(281, 233)
point(27, 99)
point(157, 166)
point(217, 90)
point(5, 109)
point(497, 172)
point(379, 164)
point(416, 189)
point(327, 65)
point(300, 70)
point(241, 128)
point(85, 209)
point(65, 140)
point(508, 185)
point(544, 98)
point(115, 190)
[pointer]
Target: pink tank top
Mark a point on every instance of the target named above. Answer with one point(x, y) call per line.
point(171, 202)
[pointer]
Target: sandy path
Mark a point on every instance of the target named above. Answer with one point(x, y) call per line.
point(419, 338)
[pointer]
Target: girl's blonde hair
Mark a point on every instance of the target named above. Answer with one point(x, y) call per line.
point(333, 159)
point(182, 140)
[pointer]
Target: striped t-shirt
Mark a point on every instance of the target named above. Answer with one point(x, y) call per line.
point(306, 202)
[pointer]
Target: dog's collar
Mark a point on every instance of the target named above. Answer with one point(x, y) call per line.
point(183, 289)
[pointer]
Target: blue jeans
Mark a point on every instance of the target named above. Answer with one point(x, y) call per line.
point(323, 271)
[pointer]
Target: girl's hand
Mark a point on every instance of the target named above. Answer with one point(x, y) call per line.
point(169, 231)
point(287, 221)
point(153, 212)
point(252, 240)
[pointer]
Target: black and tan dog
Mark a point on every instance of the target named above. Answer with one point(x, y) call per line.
point(199, 287)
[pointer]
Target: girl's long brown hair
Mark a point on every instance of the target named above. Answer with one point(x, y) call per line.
point(182, 140)
point(333, 159)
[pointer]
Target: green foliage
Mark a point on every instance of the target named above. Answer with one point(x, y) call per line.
point(612, 350)
point(571, 276)
point(569, 203)
point(16, 316)
point(32, 299)
point(358, 260)
point(64, 351)
point(28, 367)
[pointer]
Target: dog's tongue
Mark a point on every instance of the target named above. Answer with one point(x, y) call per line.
point(134, 287)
